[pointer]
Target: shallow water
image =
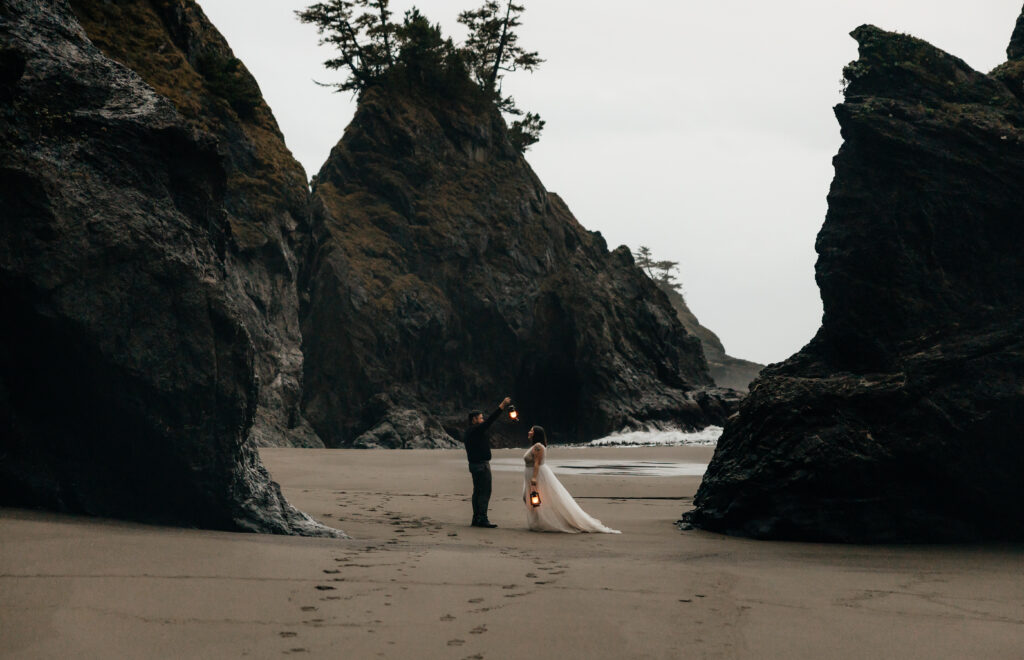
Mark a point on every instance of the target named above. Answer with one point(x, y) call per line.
point(609, 467)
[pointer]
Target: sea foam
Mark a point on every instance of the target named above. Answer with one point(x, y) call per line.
point(706, 436)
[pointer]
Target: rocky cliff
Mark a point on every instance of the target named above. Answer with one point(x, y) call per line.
point(726, 371)
point(173, 47)
point(1015, 51)
point(445, 276)
point(128, 381)
point(901, 420)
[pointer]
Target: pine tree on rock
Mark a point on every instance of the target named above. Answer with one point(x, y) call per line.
point(491, 50)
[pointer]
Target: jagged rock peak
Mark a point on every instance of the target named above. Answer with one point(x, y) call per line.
point(900, 420)
point(446, 276)
point(128, 382)
point(1015, 51)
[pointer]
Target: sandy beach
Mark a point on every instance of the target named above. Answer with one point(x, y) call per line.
point(417, 582)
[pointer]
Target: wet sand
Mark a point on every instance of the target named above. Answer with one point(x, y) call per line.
point(418, 582)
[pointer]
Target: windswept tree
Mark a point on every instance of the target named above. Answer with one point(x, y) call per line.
point(491, 50)
point(526, 131)
point(662, 272)
point(364, 35)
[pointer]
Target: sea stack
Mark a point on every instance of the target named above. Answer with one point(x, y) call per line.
point(901, 420)
point(128, 377)
point(175, 49)
point(446, 276)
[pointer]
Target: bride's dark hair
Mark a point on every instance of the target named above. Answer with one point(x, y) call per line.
point(540, 436)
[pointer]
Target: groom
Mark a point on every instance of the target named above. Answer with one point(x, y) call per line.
point(478, 451)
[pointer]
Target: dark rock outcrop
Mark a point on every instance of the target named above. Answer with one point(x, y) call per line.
point(1015, 51)
point(726, 371)
point(446, 276)
point(174, 47)
point(901, 420)
point(127, 377)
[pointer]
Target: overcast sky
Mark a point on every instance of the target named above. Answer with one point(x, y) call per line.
point(703, 130)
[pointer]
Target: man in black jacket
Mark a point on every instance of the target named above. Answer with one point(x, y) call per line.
point(478, 451)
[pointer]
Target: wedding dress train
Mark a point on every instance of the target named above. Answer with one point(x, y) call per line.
point(558, 511)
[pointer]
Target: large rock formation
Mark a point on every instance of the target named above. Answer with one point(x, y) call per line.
point(902, 418)
point(1015, 51)
point(173, 46)
point(446, 276)
point(127, 377)
point(726, 370)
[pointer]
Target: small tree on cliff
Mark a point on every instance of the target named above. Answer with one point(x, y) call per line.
point(662, 272)
point(491, 50)
point(363, 33)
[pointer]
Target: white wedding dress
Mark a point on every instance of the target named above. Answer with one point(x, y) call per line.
point(557, 512)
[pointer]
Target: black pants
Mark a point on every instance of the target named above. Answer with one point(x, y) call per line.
point(481, 489)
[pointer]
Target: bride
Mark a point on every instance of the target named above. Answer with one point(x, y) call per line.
point(557, 511)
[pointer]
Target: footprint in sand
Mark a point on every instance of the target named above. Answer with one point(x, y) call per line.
point(324, 587)
point(531, 575)
point(508, 586)
point(475, 656)
point(288, 633)
point(296, 650)
point(475, 600)
point(456, 642)
point(308, 608)
point(479, 630)
point(447, 617)
point(332, 570)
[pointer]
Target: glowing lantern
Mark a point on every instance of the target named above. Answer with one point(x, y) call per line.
point(535, 498)
point(513, 414)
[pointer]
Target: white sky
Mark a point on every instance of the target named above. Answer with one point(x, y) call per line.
point(703, 130)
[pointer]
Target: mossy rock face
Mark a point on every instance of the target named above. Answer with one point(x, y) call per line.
point(174, 47)
point(447, 277)
point(900, 420)
point(128, 381)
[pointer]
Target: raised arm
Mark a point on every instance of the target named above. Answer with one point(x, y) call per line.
point(494, 415)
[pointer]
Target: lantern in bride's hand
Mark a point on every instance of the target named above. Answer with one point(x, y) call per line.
point(535, 498)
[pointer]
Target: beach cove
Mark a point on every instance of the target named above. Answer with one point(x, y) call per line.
point(416, 581)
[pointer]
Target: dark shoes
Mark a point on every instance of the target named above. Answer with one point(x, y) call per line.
point(483, 522)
